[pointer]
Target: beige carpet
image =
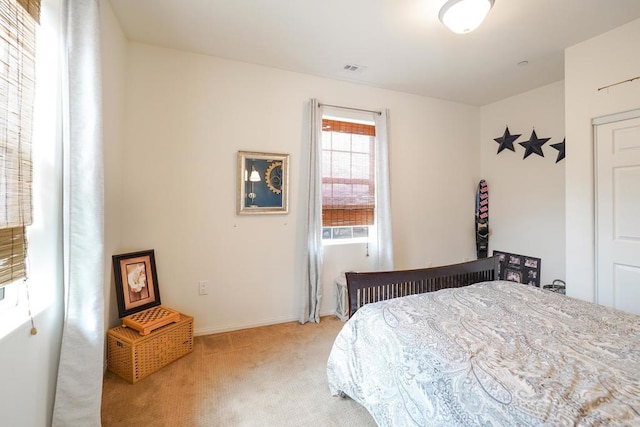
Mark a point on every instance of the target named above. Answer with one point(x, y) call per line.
point(267, 376)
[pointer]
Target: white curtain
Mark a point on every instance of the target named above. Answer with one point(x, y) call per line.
point(79, 386)
point(383, 252)
point(312, 286)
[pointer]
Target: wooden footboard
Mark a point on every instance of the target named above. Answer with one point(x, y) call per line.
point(364, 288)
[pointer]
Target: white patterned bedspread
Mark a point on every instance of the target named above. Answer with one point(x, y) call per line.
point(490, 354)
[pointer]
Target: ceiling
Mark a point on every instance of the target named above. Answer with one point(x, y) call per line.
point(398, 44)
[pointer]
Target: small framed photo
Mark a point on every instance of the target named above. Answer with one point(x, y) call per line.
point(136, 282)
point(513, 276)
point(514, 260)
point(530, 262)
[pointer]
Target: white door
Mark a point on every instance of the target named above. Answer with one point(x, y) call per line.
point(618, 213)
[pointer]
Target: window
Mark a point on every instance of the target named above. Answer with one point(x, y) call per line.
point(348, 179)
point(18, 19)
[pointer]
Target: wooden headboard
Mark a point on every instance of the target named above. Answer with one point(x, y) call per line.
point(364, 288)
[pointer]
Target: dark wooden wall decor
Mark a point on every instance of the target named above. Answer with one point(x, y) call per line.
point(533, 145)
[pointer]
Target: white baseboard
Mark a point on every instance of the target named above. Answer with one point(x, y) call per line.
point(239, 326)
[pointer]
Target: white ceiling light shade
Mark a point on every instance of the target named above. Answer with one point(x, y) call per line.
point(462, 16)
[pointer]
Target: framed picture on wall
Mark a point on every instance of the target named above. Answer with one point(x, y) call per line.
point(263, 183)
point(136, 282)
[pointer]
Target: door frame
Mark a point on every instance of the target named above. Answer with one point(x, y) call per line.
point(599, 121)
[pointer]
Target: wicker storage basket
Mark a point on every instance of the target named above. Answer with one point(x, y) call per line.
point(134, 357)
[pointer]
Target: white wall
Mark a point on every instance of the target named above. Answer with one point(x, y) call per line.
point(527, 196)
point(188, 115)
point(114, 55)
point(601, 61)
point(30, 362)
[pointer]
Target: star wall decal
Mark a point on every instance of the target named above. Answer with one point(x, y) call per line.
point(560, 147)
point(534, 145)
point(506, 140)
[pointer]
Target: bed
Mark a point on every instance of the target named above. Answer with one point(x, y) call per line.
point(454, 353)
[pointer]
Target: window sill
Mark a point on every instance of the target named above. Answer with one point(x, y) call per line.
point(336, 242)
point(13, 312)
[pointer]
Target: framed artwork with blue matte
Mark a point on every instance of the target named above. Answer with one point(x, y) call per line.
point(263, 183)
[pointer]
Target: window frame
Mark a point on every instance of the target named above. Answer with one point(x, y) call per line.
point(370, 182)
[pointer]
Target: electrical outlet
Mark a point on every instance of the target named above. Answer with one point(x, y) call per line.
point(203, 287)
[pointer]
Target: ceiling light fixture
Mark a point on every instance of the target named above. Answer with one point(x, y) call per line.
point(463, 16)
